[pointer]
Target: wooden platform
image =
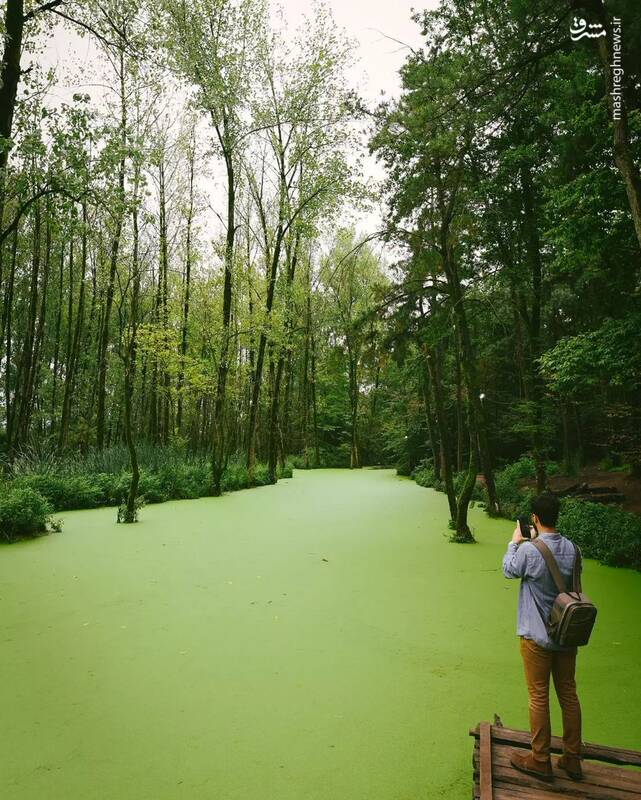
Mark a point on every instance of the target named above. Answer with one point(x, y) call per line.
point(608, 772)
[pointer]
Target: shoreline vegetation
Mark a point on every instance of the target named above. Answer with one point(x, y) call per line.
point(606, 533)
point(38, 488)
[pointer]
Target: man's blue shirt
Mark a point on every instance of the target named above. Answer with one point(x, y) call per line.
point(538, 591)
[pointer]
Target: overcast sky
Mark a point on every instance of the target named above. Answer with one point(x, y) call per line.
point(369, 22)
point(373, 24)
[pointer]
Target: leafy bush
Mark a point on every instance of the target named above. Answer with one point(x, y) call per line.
point(23, 512)
point(425, 475)
point(151, 486)
point(508, 485)
point(64, 492)
point(608, 534)
point(103, 479)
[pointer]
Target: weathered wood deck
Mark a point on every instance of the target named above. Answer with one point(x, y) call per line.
point(608, 772)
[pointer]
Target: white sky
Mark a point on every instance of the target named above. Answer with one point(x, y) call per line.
point(375, 70)
point(369, 22)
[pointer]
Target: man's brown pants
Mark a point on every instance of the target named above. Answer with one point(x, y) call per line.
point(539, 664)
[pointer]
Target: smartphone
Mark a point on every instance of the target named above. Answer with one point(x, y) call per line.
point(526, 526)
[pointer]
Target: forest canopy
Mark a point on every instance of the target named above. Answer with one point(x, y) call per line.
point(182, 266)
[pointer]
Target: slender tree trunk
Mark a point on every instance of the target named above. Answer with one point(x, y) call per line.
point(533, 381)
point(260, 359)
point(9, 80)
point(56, 353)
point(460, 421)
point(274, 430)
point(463, 533)
point(314, 401)
point(74, 355)
point(285, 439)
point(431, 423)
point(352, 360)
point(26, 367)
point(218, 427)
point(130, 514)
point(433, 369)
point(7, 321)
point(113, 265)
point(184, 338)
point(476, 411)
point(164, 295)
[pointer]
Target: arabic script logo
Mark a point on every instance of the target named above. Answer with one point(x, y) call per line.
point(580, 29)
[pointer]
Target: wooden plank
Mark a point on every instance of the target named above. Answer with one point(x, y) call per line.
point(485, 760)
point(511, 792)
point(599, 775)
point(504, 791)
point(598, 752)
point(595, 774)
point(561, 787)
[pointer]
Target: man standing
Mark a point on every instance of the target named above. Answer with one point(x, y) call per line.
point(541, 656)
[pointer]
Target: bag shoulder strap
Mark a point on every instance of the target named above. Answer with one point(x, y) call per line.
point(576, 572)
point(555, 572)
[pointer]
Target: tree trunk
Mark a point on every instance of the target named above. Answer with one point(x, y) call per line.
point(7, 321)
point(463, 533)
point(434, 372)
point(56, 354)
point(130, 514)
point(164, 295)
point(274, 429)
point(218, 423)
point(460, 422)
point(184, 340)
point(74, 354)
point(476, 412)
point(113, 265)
point(26, 367)
point(9, 79)
point(431, 424)
point(533, 380)
point(260, 359)
point(352, 360)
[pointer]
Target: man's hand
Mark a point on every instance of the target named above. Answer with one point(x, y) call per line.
point(517, 536)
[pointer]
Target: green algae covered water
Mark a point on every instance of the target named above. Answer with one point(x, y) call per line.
point(315, 640)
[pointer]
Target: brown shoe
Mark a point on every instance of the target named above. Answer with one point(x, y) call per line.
point(572, 765)
point(524, 762)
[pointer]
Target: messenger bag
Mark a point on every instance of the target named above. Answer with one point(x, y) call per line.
point(573, 614)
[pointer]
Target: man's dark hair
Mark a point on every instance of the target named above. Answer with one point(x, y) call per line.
point(546, 507)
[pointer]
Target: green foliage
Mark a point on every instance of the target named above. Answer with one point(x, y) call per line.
point(23, 512)
point(608, 534)
point(166, 475)
point(611, 354)
point(512, 496)
point(63, 491)
point(330, 457)
point(425, 475)
point(127, 516)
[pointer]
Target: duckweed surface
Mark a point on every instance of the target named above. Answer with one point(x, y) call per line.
point(316, 640)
